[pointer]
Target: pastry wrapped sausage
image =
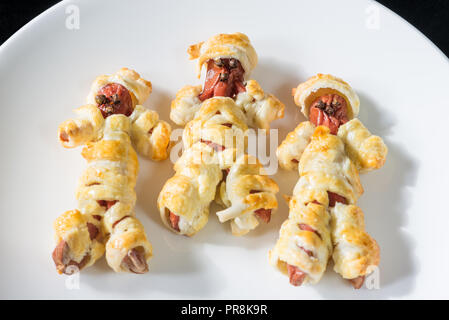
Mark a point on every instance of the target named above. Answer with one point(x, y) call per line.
point(106, 200)
point(356, 253)
point(328, 152)
point(105, 220)
point(229, 59)
point(294, 145)
point(120, 93)
point(217, 117)
point(248, 194)
point(304, 246)
point(215, 142)
point(367, 151)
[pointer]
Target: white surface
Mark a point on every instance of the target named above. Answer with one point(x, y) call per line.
point(402, 80)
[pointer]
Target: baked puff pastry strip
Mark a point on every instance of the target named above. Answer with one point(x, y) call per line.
point(329, 151)
point(106, 198)
point(367, 151)
point(229, 59)
point(248, 194)
point(120, 93)
point(356, 253)
point(215, 143)
point(185, 198)
point(304, 246)
point(291, 149)
point(234, 45)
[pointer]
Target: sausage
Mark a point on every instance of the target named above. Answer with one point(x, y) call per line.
point(334, 198)
point(60, 257)
point(215, 146)
point(309, 252)
point(135, 262)
point(223, 89)
point(212, 78)
point(330, 111)
point(80, 265)
point(306, 227)
point(224, 78)
point(263, 214)
point(118, 221)
point(357, 282)
point(93, 230)
point(239, 87)
point(295, 275)
point(225, 173)
point(114, 98)
point(107, 203)
point(174, 221)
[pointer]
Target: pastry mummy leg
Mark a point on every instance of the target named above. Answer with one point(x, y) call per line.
point(304, 244)
point(185, 198)
point(127, 249)
point(356, 253)
point(80, 241)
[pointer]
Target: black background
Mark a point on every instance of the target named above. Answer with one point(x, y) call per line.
point(431, 17)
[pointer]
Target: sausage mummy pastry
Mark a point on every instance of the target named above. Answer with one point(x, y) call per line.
point(215, 142)
point(229, 59)
point(106, 201)
point(105, 220)
point(217, 117)
point(328, 151)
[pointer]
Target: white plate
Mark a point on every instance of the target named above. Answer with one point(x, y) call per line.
point(402, 80)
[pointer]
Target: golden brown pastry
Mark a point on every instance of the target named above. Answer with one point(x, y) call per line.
point(294, 145)
point(324, 84)
point(248, 194)
point(234, 45)
point(105, 219)
point(229, 60)
point(106, 198)
point(304, 246)
point(328, 151)
point(355, 252)
point(214, 165)
point(120, 93)
point(367, 151)
point(215, 142)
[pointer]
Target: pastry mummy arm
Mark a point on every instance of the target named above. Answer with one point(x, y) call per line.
point(250, 195)
point(367, 151)
point(260, 108)
point(150, 135)
point(185, 105)
point(356, 253)
point(85, 128)
point(291, 149)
